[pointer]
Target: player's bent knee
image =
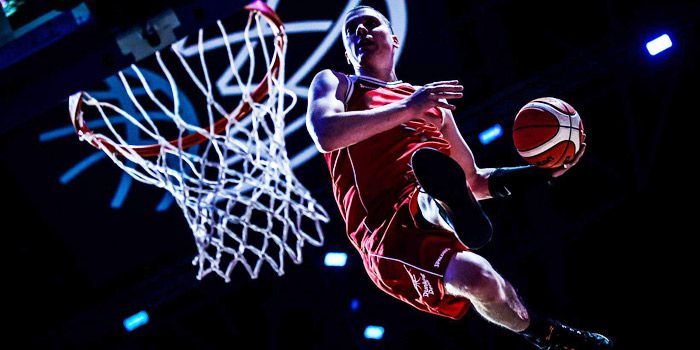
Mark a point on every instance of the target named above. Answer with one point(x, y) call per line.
point(471, 276)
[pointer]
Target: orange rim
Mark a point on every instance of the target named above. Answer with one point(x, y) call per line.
point(188, 141)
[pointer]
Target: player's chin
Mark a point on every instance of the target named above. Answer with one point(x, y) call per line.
point(365, 53)
point(367, 59)
point(369, 50)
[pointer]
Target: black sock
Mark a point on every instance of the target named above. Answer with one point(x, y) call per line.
point(538, 328)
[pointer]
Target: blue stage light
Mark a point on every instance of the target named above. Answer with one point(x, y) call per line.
point(137, 320)
point(490, 134)
point(659, 44)
point(335, 259)
point(374, 332)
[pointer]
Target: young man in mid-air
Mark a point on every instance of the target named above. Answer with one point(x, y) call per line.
point(406, 185)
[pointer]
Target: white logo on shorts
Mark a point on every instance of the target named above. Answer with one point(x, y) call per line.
point(427, 288)
point(415, 282)
point(424, 284)
point(442, 255)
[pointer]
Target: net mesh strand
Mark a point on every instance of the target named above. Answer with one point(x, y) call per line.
point(238, 192)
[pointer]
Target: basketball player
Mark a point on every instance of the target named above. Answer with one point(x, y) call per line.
point(406, 184)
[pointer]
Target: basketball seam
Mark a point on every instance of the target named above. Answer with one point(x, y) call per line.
point(563, 153)
point(568, 144)
point(555, 107)
point(545, 126)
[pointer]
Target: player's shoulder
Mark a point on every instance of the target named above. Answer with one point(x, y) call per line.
point(329, 79)
point(329, 76)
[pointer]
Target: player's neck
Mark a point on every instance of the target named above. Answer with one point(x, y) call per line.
point(387, 75)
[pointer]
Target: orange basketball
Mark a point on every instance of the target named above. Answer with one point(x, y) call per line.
point(547, 132)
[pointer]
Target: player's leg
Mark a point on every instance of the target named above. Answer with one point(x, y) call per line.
point(471, 276)
point(444, 180)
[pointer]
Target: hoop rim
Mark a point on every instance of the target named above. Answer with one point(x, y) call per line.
point(243, 108)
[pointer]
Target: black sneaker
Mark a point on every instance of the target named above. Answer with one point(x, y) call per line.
point(443, 179)
point(563, 337)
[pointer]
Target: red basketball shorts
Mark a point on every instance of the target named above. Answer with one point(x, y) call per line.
point(406, 255)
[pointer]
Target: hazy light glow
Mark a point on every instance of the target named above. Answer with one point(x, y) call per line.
point(374, 332)
point(137, 320)
point(335, 259)
point(659, 44)
point(487, 136)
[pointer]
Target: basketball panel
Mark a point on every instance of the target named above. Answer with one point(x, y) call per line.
point(526, 139)
point(553, 157)
point(558, 104)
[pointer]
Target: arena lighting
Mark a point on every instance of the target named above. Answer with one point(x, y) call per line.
point(355, 304)
point(335, 259)
point(659, 44)
point(490, 134)
point(374, 332)
point(135, 321)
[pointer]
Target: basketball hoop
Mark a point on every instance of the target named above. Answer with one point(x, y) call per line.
point(236, 187)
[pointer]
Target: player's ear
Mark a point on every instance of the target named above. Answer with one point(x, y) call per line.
point(395, 41)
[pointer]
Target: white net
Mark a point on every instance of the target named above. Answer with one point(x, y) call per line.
point(232, 179)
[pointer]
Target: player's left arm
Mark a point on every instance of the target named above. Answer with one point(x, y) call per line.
point(477, 178)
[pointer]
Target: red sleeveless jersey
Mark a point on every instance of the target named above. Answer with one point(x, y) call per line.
point(378, 197)
point(371, 176)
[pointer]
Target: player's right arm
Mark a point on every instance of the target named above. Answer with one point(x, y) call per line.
point(331, 127)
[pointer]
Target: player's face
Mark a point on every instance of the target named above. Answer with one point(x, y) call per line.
point(368, 39)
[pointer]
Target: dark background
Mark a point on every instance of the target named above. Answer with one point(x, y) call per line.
point(599, 249)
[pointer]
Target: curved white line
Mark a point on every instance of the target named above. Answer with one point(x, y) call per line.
point(235, 37)
point(322, 49)
point(398, 15)
point(407, 264)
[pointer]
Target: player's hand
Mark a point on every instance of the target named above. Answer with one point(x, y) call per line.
point(568, 165)
point(433, 95)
